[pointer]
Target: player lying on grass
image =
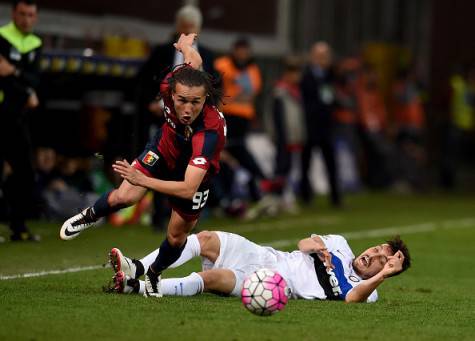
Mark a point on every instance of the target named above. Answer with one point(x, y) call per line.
point(324, 267)
point(179, 161)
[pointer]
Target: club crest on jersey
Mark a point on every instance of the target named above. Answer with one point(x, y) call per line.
point(150, 158)
point(188, 132)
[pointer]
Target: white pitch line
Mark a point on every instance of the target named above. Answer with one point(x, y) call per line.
point(51, 272)
point(381, 232)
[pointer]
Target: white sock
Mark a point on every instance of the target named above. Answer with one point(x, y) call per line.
point(141, 287)
point(192, 249)
point(185, 286)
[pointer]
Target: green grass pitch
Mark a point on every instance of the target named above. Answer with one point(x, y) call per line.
point(434, 300)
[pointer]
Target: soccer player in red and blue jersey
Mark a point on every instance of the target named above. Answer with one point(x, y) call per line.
point(179, 161)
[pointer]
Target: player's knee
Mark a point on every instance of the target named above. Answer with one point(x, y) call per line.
point(121, 198)
point(211, 280)
point(221, 280)
point(203, 238)
point(176, 239)
point(209, 244)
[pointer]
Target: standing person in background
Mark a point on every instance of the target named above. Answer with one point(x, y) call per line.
point(150, 109)
point(459, 126)
point(241, 83)
point(372, 116)
point(345, 115)
point(288, 120)
point(318, 95)
point(409, 118)
point(19, 79)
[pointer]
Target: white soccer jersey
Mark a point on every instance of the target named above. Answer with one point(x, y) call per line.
point(299, 269)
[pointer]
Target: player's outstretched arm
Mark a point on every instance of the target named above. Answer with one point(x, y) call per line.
point(185, 189)
point(361, 292)
point(190, 54)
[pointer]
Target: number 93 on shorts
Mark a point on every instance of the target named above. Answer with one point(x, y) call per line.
point(191, 209)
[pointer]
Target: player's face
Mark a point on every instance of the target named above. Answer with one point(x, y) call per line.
point(188, 102)
point(372, 261)
point(24, 16)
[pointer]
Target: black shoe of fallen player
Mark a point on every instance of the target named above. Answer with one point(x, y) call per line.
point(152, 284)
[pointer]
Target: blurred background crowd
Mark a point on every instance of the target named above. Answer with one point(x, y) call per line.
point(321, 97)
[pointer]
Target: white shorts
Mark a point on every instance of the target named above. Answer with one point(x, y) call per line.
point(242, 257)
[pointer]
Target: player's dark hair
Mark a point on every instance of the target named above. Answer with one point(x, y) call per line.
point(27, 2)
point(192, 77)
point(396, 245)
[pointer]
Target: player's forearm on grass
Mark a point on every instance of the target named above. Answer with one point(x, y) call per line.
point(361, 292)
point(192, 57)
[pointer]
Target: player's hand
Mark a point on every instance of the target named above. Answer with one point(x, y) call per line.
point(129, 173)
point(393, 265)
point(156, 108)
point(32, 101)
point(6, 69)
point(325, 257)
point(185, 40)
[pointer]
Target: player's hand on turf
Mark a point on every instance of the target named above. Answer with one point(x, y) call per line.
point(129, 173)
point(393, 265)
point(185, 40)
point(326, 258)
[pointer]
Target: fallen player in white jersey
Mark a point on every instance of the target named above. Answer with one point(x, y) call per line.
point(323, 268)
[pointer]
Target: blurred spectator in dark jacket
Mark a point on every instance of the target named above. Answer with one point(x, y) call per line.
point(460, 127)
point(372, 117)
point(63, 184)
point(164, 57)
point(288, 120)
point(409, 121)
point(318, 95)
point(19, 79)
point(346, 118)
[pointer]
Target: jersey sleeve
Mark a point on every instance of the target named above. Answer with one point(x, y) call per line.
point(205, 145)
point(373, 297)
point(333, 242)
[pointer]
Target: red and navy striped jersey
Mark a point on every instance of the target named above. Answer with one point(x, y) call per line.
point(198, 144)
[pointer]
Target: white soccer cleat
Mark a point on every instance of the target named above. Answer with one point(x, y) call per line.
point(152, 286)
point(75, 225)
point(121, 263)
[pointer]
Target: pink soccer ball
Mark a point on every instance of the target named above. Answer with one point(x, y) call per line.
point(265, 292)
